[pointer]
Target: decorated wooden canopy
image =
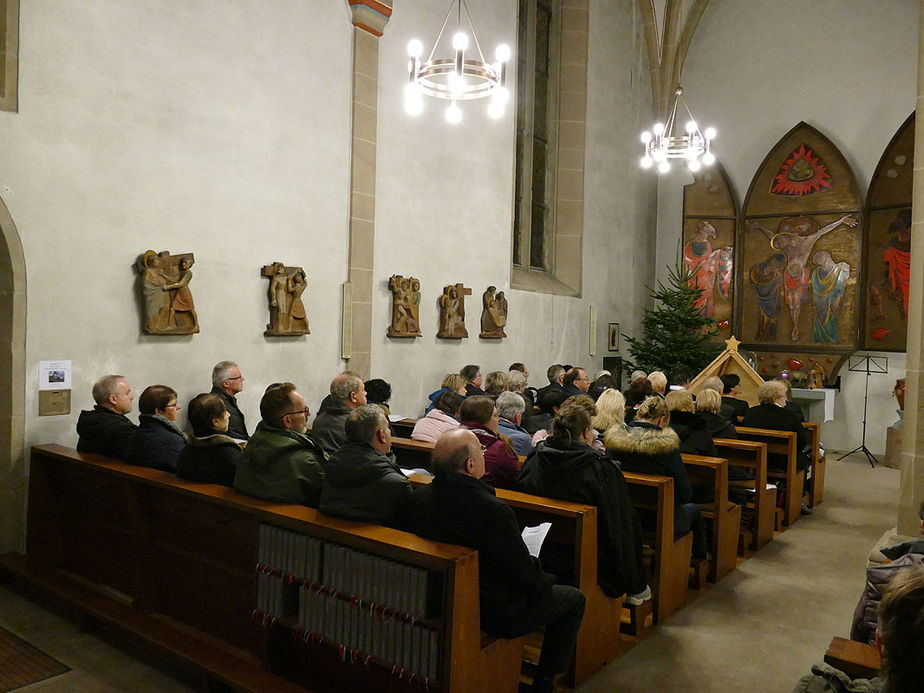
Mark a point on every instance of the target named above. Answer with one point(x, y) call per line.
point(730, 361)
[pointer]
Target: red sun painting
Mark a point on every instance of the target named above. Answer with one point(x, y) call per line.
point(803, 173)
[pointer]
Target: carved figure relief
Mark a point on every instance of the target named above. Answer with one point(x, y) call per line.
point(405, 306)
point(711, 267)
point(493, 314)
point(167, 305)
point(452, 312)
point(287, 311)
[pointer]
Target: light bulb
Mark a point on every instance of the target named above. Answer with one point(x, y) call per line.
point(457, 83)
point(501, 95)
point(710, 133)
point(691, 127)
point(496, 109)
point(694, 165)
point(658, 129)
point(413, 105)
point(453, 113)
point(414, 48)
point(646, 161)
point(708, 158)
point(502, 53)
point(664, 167)
point(690, 154)
point(646, 137)
point(658, 155)
point(460, 41)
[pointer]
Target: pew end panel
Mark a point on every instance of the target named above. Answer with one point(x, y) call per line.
point(724, 516)
point(856, 659)
point(752, 457)
point(781, 443)
point(819, 463)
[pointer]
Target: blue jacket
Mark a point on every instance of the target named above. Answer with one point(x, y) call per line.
point(522, 441)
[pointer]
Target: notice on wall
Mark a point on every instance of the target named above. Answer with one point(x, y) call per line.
point(54, 375)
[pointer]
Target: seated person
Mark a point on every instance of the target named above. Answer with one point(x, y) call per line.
point(658, 383)
point(603, 381)
point(516, 382)
point(611, 411)
point(515, 595)
point(555, 374)
point(791, 406)
point(158, 441)
point(473, 379)
point(439, 420)
point(364, 482)
point(281, 463)
point(227, 383)
point(689, 427)
point(575, 382)
point(648, 445)
point(638, 392)
point(771, 414)
point(727, 411)
point(510, 408)
point(565, 466)
point(495, 383)
point(105, 429)
point(452, 382)
point(680, 380)
point(479, 415)
point(210, 455)
point(730, 383)
point(709, 409)
point(378, 392)
point(347, 392)
point(541, 423)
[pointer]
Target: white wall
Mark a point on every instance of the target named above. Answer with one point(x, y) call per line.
point(754, 70)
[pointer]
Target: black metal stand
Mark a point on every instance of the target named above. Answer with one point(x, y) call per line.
point(866, 364)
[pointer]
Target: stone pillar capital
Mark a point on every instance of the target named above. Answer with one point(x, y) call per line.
point(371, 15)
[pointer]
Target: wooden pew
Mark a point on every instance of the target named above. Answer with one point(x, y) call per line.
point(816, 494)
point(671, 556)
point(574, 524)
point(410, 453)
point(783, 443)
point(856, 659)
point(712, 472)
point(183, 558)
point(752, 456)
point(403, 428)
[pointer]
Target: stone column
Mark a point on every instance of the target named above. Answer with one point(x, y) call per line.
point(369, 20)
point(912, 483)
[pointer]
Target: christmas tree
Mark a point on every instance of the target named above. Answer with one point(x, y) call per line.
point(676, 335)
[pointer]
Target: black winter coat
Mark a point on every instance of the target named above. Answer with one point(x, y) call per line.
point(717, 425)
point(210, 459)
point(156, 444)
point(739, 406)
point(646, 448)
point(365, 485)
point(576, 472)
point(513, 587)
point(695, 438)
point(774, 418)
point(104, 432)
point(237, 427)
point(329, 428)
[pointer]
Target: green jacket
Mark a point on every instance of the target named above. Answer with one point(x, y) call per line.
point(282, 466)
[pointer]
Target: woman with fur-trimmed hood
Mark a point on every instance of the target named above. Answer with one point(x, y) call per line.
point(648, 445)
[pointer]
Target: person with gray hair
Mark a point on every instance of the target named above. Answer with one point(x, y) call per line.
point(516, 595)
point(227, 382)
point(726, 411)
point(364, 482)
point(347, 392)
point(510, 408)
point(105, 429)
point(658, 382)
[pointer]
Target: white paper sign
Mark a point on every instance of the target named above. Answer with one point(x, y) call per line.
point(54, 375)
point(534, 536)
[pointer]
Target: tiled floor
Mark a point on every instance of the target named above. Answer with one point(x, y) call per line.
point(759, 629)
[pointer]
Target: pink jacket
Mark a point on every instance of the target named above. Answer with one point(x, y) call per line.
point(433, 425)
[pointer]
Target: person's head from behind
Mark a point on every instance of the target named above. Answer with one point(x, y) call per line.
point(709, 400)
point(159, 400)
point(637, 375)
point(367, 425)
point(639, 391)
point(585, 402)
point(788, 385)
point(611, 410)
point(283, 407)
point(901, 631)
point(680, 400)
point(730, 383)
point(516, 381)
point(510, 406)
point(772, 392)
point(518, 366)
point(495, 383)
point(480, 410)
point(714, 382)
point(112, 392)
point(552, 400)
point(458, 451)
point(348, 390)
point(472, 374)
point(454, 382)
point(377, 391)
point(654, 410)
point(681, 377)
point(555, 373)
point(572, 424)
point(658, 382)
point(605, 381)
point(208, 415)
point(449, 402)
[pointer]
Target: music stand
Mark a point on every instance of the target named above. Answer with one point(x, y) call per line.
point(866, 364)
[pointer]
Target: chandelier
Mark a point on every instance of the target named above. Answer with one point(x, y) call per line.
point(664, 144)
point(457, 78)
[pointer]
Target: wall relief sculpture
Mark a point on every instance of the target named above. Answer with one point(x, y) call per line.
point(493, 314)
point(452, 312)
point(167, 302)
point(405, 306)
point(287, 311)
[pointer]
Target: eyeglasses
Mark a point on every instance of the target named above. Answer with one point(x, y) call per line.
point(174, 405)
point(304, 411)
point(237, 377)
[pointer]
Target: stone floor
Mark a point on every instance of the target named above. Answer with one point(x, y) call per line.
point(759, 629)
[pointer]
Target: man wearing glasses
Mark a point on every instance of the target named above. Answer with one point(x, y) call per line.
point(281, 463)
point(227, 381)
point(576, 382)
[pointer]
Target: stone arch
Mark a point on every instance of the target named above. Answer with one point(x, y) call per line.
point(12, 373)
